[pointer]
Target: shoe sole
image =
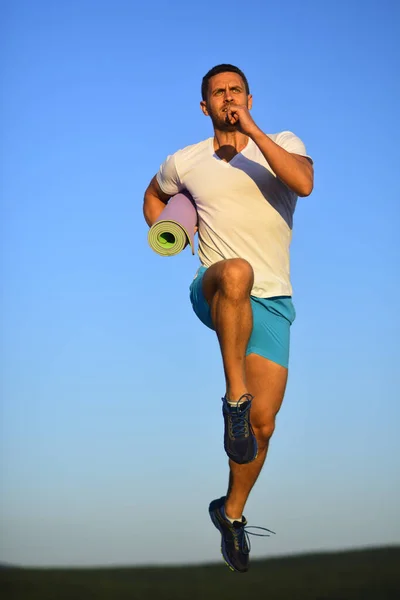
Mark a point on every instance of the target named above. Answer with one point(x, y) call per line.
point(224, 556)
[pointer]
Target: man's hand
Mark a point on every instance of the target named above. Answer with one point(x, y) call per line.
point(239, 115)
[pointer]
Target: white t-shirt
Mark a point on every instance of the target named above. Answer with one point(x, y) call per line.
point(244, 210)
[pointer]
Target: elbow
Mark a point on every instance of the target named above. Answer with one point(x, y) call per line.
point(152, 208)
point(149, 209)
point(150, 213)
point(306, 188)
point(147, 213)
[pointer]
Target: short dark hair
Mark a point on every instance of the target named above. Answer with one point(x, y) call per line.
point(222, 69)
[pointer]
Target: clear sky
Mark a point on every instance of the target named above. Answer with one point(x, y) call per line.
point(111, 428)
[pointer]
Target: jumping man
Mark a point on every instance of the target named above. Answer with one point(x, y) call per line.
point(245, 184)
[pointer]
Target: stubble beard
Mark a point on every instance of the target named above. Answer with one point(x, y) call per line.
point(221, 123)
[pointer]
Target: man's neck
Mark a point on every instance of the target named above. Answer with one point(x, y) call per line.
point(230, 138)
point(229, 143)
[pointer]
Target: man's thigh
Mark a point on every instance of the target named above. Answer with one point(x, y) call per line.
point(272, 320)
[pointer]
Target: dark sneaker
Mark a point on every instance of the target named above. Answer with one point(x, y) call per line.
point(239, 440)
point(235, 543)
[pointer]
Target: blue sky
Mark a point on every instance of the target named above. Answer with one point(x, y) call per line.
point(111, 433)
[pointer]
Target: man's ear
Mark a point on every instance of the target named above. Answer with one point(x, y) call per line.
point(249, 101)
point(203, 106)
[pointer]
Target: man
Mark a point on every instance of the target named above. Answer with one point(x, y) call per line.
point(245, 185)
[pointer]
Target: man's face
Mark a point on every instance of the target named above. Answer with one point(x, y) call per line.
point(224, 89)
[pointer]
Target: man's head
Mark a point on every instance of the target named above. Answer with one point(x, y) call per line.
point(205, 84)
point(223, 85)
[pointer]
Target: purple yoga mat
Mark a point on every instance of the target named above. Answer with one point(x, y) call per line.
point(174, 228)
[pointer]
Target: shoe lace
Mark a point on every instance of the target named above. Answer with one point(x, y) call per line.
point(243, 532)
point(239, 422)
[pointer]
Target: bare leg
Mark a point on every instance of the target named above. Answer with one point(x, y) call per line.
point(226, 287)
point(267, 381)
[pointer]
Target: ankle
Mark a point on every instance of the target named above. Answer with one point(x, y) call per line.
point(233, 513)
point(235, 394)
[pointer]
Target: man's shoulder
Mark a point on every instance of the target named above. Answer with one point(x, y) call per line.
point(282, 135)
point(286, 139)
point(291, 142)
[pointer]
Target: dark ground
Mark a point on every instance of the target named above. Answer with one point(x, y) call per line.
point(372, 574)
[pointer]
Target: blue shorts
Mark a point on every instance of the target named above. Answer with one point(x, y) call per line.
point(272, 318)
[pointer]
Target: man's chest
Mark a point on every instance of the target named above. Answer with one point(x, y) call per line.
point(243, 178)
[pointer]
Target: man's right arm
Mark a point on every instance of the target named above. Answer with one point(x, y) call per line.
point(154, 203)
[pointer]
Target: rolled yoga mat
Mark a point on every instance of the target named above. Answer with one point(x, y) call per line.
point(174, 228)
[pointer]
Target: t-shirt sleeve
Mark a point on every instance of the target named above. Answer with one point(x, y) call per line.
point(290, 142)
point(168, 176)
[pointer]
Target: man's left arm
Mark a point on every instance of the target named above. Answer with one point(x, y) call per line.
point(295, 171)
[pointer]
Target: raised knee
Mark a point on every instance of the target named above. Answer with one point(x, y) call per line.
point(264, 433)
point(237, 276)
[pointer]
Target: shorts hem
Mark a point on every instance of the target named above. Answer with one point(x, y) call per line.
point(264, 354)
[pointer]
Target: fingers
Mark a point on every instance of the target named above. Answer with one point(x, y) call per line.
point(233, 115)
